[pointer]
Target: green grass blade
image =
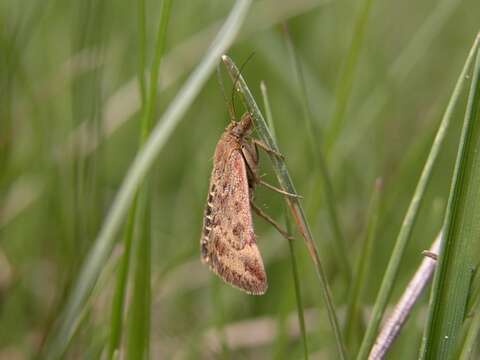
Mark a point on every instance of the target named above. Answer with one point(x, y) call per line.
point(406, 60)
point(461, 243)
point(395, 322)
point(138, 325)
point(471, 338)
point(321, 170)
point(353, 317)
point(118, 300)
point(141, 274)
point(411, 215)
point(347, 73)
point(142, 52)
point(467, 340)
point(153, 83)
point(296, 209)
point(138, 334)
point(296, 280)
point(139, 168)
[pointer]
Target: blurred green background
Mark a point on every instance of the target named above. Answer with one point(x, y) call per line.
point(69, 126)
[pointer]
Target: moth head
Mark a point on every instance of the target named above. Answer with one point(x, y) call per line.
point(242, 127)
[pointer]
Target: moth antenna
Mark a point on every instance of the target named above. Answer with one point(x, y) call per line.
point(231, 109)
point(237, 77)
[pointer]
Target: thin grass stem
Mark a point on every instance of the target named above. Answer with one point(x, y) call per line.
point(353, 317)
point(394, 324)
point(296, 209)
point(118, 300)
point(347, 73)
point(411, 214)
point(321, 169)
point(142, 163)
point(296, 280)
point(471, 341)
point(457, 261)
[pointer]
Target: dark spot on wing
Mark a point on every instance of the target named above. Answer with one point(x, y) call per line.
point(254, 268)
point(238, 206)
point(237, 229)
point(220, 246)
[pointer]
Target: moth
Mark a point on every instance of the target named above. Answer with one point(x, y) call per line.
point(228, 244)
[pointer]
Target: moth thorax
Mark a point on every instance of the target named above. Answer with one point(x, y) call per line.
point(241, 127)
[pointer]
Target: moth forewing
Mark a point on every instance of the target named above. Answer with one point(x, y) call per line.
point(228, 242)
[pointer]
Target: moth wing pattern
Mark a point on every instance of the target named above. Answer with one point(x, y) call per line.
point(228, 242)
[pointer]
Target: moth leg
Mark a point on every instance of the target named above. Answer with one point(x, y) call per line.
point(266, 217)
point(274, 188)
point(250, 154)
point(267, 148)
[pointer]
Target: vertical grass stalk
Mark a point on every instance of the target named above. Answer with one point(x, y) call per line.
point(286, 184)
point(411, 214)
point(347, 73)
point(452, 282)
point(296, 280)
point(142, 163)
point(396, 320)
point(118, 300)
point(471, 340)
point(353, 318)
point(138, 334)
point(321, 169)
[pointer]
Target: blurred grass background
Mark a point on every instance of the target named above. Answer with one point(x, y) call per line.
point(69, 125)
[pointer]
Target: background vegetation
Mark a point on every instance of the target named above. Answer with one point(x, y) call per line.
point(70, 117)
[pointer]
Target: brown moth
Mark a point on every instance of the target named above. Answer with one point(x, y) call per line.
point(228, 243)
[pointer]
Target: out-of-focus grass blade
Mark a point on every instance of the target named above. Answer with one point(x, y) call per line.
point(458, 256)
point(138, 324)
point(118, 300)
point(296, 280)
point(144, 160)
point(320, 172)
point(138, 330)
point(345, 79)
point(367, 116)
point(286, 183)
point(353, 317)
point(467, 340)
point(411, 215)
point(471, 338)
